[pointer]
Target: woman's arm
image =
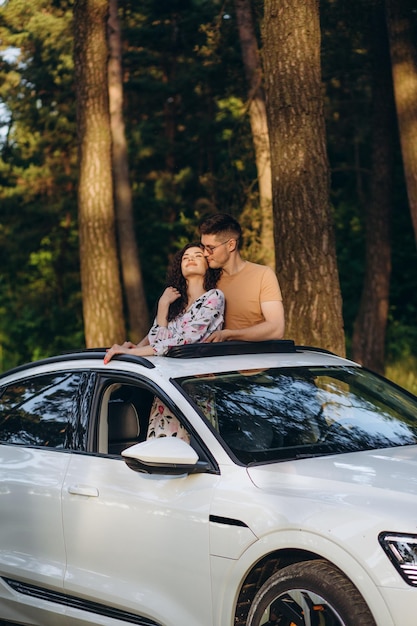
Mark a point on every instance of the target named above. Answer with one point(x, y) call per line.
point(144, 348)
point(168, 297)
point(203, 318)
point(137, 351)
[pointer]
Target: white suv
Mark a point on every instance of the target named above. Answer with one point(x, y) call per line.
point(295, 503)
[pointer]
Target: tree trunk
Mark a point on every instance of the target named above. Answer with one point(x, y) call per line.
point(128, 251)
point(368, 344)
point(101, 290)
point(304, 238)
point(259, 124)
point(404, 71)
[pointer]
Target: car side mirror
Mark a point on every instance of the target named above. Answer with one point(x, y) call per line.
point(163, 455)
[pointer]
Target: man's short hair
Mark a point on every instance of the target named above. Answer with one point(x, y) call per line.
point(221, 223)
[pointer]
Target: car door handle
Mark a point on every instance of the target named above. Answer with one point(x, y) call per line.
point(83, 490)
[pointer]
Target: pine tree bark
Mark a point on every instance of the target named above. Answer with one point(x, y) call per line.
point(258, 123)
point(304, 237)
point(100, 281)
point(404, 71)
point(368, 342)
point(138, 317)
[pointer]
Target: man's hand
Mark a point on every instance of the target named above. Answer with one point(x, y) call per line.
point(272, 328)
point(218, 335)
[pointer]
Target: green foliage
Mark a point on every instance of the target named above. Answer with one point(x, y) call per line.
point(401, 366)
point(39, 286)
point(347, 76)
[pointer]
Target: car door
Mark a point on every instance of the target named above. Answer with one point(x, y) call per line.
point(137, 544)
point(38, 421)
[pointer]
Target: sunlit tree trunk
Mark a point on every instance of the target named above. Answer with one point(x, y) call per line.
point(402, 34)
point(368, 344)
point(128, 250)
point(101, 290)
point(259, 124)
point(304, 238)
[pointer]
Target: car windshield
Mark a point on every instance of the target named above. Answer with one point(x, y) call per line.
point(289, 413)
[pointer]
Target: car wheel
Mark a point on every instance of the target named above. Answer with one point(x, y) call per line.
point(312, 593)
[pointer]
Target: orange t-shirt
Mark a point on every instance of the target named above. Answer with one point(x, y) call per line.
point(245, 291)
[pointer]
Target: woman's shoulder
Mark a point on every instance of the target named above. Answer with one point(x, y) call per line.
point(213, 293)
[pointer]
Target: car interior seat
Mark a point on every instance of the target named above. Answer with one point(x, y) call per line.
point(123, 426)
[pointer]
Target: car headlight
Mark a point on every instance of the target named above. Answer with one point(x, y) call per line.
point(402, 551)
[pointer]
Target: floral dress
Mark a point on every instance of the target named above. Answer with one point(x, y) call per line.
point(203, 317)
point(162, 423)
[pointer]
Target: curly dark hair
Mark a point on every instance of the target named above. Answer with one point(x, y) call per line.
point(176, 279)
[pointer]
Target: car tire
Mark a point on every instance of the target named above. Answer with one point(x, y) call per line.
point(309, 593)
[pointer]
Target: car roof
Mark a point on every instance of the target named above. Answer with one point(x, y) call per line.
point(199, 359)
point(300, 356)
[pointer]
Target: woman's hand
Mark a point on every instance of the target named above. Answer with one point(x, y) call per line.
point(135, 350)
point(116, 349)
point(129, 344)
point(169, 296)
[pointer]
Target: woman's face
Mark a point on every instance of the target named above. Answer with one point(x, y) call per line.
point(193, 262)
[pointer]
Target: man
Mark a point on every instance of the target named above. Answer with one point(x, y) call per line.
point(254, 309)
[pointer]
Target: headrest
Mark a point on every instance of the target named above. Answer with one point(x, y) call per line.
point(123, 421)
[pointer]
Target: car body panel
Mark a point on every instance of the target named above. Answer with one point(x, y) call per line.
point(20, 609)
point(109, 537)
point(105, 541)
point(31, 535)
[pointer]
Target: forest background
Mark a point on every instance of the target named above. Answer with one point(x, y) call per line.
point(186, 111)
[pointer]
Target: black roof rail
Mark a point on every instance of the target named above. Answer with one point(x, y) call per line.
point(98, 353)
point(314, 349)
point(225, 348)
point(76, 355)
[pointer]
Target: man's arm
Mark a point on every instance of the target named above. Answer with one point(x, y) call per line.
point(272, 328)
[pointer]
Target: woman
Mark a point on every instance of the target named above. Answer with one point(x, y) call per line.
point(189, 310)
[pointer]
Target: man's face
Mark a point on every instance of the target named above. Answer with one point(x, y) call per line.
point(216, 250)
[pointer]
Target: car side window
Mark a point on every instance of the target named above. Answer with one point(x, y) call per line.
point(39, 411)
point(124, 417)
